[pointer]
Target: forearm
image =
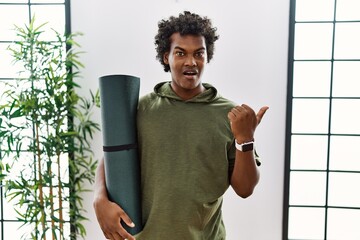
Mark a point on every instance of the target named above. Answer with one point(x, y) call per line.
point(245, 175)
point(108, 213)
point(100, 191)
point(244, 122)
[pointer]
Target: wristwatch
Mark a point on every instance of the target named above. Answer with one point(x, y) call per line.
point(245, 147)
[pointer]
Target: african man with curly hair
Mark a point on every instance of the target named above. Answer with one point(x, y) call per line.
point(193, 144)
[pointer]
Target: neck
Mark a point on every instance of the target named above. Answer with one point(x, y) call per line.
point(186, 94)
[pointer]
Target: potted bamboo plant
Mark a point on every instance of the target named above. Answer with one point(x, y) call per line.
point(45, 133)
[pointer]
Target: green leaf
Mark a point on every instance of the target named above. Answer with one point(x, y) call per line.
point(16, 113)
point(2, 133)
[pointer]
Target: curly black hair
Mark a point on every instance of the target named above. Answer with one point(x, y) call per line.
point(185, 23)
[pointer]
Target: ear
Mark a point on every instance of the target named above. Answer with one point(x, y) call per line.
point(166, 58)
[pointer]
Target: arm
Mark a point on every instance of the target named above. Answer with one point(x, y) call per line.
point(245, 175)
point(108, 213)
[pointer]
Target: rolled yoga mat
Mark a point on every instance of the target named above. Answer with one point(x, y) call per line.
point(119, 95)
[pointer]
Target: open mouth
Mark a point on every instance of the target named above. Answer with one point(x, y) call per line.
point(190, 72)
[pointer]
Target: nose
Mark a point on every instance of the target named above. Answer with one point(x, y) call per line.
point(190, 61)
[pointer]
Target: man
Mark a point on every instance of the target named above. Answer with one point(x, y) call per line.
point(193, 144)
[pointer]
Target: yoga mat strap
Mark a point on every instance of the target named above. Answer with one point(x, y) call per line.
point(120, 147)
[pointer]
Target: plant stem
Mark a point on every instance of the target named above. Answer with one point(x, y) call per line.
point(51, 191)
point(41, 193)
point(51, 202)
point(60, 197)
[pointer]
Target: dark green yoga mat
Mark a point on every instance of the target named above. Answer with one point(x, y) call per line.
point(119, 95)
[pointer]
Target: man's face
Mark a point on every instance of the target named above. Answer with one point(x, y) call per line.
point(186, 58)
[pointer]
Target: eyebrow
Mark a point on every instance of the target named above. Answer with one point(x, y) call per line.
point(182, 49)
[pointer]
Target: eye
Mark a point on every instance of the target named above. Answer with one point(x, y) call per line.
point(179, 53)
point(200, 54)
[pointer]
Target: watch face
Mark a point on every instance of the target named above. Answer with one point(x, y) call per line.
point(248, 147)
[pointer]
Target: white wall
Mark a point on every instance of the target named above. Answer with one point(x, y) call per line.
point(249, 66)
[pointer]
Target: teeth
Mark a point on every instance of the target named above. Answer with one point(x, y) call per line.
point(189, 73)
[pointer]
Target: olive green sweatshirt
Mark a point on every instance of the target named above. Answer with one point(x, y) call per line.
point(186, 153)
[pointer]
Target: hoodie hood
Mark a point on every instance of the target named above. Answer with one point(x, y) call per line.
point(164, 89)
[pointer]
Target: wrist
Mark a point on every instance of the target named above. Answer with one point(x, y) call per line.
point(100, 194)
point(100, 200)
point(241, 140)
point(245, 145)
